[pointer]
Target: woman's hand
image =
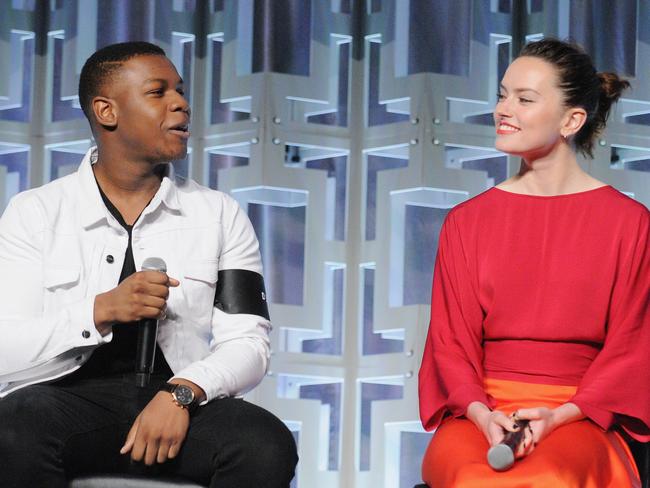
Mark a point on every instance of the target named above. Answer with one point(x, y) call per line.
point(492, 423)
point(543, 421)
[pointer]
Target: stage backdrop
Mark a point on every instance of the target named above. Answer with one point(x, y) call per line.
point(347, 129)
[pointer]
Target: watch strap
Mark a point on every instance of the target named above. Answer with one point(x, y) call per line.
point(169, 387)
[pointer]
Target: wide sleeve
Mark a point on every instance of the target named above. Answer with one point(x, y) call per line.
point(451, 373)
point(616, 387)
point(240, 343)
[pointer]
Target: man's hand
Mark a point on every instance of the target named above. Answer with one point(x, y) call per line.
point(143, 295)
point(158, 432)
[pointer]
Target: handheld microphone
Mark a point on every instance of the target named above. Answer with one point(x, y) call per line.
point(502, 456)
point(147, 332)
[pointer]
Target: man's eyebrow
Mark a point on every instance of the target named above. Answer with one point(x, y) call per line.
point(162, 80)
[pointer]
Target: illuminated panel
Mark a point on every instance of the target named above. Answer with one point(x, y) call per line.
point(227, 156)
point(327, 391)
point(334, 162)
point(380, 160)
point(634, 111)
point(328, 340)
point(384, 342)
point(222, 110)
point(278, 216)
point(489, 160)
point(630, 158)
point(470, 110)
point(373, 390)
point(381, 111)
point(281, 37)
point(15, 102)
point(416, 217)
point(341, 63)
point(405, 444)
point(14, 170)
point(182, 55)
point(64, 158)
point(64, 106)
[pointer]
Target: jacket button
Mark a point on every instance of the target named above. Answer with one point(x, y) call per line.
point(110, 259)
point(85, 334)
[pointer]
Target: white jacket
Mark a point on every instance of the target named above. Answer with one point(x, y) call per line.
point(54, 243)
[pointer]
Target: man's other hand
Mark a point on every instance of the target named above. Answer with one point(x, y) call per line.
point(158, 432)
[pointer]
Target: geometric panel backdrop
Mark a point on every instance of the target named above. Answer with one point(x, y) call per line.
point(346, 129)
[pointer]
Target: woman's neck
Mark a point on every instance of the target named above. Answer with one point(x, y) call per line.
point(553, 174)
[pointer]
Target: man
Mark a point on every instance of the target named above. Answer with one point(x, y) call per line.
point(72, 298)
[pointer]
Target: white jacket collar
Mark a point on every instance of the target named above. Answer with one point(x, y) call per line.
point(93, 209)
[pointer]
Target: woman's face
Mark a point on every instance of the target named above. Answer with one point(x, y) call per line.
point(530, 112)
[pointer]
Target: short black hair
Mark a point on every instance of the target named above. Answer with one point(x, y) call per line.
point(103, 64)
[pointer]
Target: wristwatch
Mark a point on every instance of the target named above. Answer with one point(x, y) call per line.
point(182, 395)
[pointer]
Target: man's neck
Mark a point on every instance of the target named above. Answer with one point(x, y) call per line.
point(129, 185)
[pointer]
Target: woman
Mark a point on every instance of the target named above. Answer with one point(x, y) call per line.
point(540, 304)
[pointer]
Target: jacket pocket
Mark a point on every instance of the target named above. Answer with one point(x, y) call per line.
point(63, 277)
point(200, 279)
point(202, 270)
point(61, 286)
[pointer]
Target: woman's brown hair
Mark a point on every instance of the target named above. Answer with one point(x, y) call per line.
point(582, 86)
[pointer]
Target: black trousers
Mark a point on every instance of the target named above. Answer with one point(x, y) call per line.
point(52, 433)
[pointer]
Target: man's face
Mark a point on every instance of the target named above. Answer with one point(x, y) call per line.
point(152, 113)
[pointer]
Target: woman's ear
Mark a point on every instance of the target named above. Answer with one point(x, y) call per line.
point(574, 119)
point(105, 111)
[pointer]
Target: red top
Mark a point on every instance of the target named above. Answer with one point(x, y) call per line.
point(551, 290)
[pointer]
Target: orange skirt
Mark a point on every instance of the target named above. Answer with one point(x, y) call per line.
point(579, 454)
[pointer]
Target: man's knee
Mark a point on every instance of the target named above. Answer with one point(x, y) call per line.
point(270, 447)
point(251, 442)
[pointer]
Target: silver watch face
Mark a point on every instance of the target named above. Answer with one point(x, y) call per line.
point(184, 395)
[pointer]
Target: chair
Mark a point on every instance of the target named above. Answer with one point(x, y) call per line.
point(641, 453)
point(122, 481)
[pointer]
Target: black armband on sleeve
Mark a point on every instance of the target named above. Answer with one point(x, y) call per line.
point(241, 291)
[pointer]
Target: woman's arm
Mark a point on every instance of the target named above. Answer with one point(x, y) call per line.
point(451, 374)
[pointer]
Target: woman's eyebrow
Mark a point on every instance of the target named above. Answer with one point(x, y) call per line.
point(519, 90)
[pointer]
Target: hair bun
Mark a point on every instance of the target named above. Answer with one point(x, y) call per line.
point(612, 85)
point(611, 88)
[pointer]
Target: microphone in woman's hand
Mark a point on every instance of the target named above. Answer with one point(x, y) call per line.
point(502, 456)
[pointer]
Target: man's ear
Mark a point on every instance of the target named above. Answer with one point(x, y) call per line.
point(574, 119)
point(105, 111)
